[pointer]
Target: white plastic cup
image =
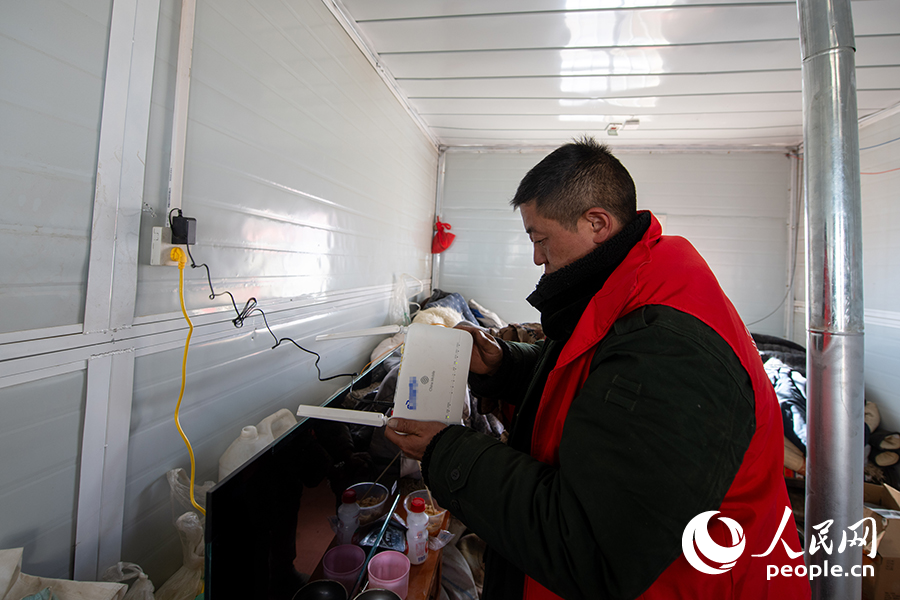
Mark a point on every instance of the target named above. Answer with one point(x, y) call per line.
point(343, 564)
point(389, 570)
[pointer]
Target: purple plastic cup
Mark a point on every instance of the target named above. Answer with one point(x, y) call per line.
point(343, 563)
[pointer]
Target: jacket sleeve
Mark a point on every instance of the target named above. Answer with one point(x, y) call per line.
point(510, 383)
point(655, 437)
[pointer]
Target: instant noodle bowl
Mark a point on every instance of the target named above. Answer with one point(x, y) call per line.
point(372, 504)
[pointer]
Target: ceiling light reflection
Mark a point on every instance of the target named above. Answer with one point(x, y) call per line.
point(605, 4)
point(588, 86)
point(593, 118)
point(599, 103)
point(585, 67)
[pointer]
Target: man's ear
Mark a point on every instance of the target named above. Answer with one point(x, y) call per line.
point(603, 224)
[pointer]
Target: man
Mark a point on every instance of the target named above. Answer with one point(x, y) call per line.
point(646, 406)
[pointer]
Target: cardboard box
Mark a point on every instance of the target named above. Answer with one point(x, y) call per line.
point(881, 495)
point(882, 503)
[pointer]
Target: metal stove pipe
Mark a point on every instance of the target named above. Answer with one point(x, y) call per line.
point(834, 289)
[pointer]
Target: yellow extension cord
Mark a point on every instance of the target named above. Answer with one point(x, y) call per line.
point(178, 255)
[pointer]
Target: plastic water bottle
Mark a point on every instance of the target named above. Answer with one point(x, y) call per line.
point(348, 517)
point(417, 532)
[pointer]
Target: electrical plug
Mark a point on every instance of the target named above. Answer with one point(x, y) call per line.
point(178, 255)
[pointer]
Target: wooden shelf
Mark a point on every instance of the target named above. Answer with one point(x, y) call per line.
point(424, 579)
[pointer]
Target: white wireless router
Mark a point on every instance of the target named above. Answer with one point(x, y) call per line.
point(431, 385)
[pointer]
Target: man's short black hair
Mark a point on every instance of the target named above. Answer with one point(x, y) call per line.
point(575, 178)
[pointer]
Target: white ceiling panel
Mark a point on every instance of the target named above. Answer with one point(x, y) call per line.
point(586, 29)
point(730, 137)
point(731, 57)
point(606, 87)
point(534, 72)
point(878, 50)
point(875, 17)
point(694, 84)
point(429, 107)
point(728, 57)
point(366, 10)
point(749, 120)
point(868, 102)
point(878, 78)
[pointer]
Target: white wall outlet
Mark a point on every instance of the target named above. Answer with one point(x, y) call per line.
point(160, 246)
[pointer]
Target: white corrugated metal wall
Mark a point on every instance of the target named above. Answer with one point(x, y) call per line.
point(49, 155)
point(733, 206)
point(52, 62)
point(312, 188)
point(879, 143)
point(490, 258)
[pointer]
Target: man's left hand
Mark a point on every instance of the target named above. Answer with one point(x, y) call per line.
point(412, 437)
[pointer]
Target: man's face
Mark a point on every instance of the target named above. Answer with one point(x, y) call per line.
point(555, 245)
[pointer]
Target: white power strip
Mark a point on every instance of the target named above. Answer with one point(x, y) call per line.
point(160, 246)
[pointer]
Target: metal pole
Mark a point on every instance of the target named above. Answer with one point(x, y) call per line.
point(834, 292)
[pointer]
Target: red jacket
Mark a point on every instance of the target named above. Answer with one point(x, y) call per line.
point(667, 270)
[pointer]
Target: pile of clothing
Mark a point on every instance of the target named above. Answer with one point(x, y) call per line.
point(785, 364)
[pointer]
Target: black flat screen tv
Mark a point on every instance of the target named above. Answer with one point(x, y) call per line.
point(251, 515)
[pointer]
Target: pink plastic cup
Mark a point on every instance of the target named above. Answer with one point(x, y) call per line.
point(343, 563)
point(389, 570)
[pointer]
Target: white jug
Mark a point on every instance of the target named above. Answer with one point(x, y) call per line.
point(243, 448)
point(276, 424)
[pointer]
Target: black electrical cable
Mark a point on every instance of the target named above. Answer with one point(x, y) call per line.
point(790, 281)
point(241, 314)
point(251, 307)
point(286, 339)
point(786, 294)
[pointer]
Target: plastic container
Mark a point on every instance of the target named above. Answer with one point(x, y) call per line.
point(389, 570)
point(277, 424)
point(417, 532)
point(343, 564)
point(369, 510)
point(435, 513)
point(242, 449)
point(348, 517)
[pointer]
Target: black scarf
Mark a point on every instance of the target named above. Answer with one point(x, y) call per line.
point(562, 296)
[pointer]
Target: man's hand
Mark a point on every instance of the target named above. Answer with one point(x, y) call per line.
point(486, 352)
point(417, 436)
